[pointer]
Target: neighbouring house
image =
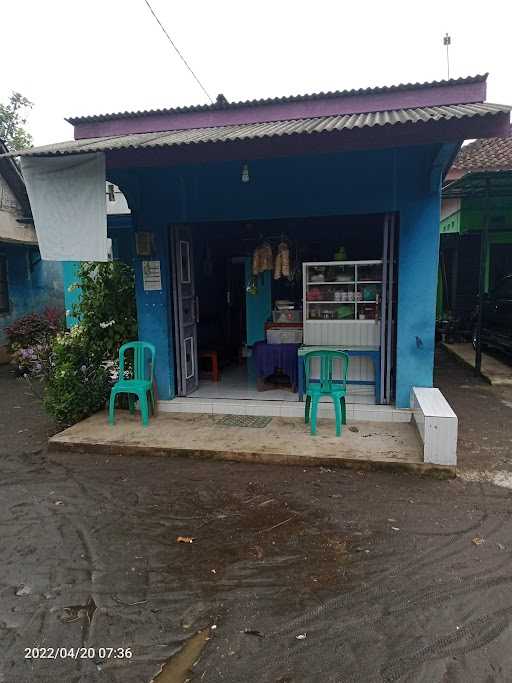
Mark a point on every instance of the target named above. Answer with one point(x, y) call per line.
point(265, 227)
point(477, 206)
point(27, 284)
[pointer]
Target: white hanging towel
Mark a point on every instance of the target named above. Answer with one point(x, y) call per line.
point(67, 196)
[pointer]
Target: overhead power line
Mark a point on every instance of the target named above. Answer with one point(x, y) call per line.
point(179, 53)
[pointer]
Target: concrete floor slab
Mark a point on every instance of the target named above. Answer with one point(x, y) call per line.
point(372, 445)
point(495, 371)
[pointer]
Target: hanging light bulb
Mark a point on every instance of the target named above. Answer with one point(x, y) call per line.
point(245, 173)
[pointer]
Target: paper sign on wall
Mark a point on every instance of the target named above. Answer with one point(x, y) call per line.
point(151, 276)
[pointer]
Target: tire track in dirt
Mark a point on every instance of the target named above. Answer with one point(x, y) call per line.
point(478, 633)
point(376, 591)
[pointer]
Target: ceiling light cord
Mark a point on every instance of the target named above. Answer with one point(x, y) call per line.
point(179, 53)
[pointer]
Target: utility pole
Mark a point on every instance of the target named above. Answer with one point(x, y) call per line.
point(447, 41)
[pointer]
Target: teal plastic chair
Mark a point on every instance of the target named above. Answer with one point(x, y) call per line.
point(326, 386)
point(142, 383)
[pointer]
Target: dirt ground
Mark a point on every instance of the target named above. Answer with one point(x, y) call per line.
point(485, 415)
point(293, 574)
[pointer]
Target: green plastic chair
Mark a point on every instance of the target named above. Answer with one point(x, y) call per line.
point(326, 386)
point(140, 385)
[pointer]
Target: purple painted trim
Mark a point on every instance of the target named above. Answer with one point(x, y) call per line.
point(74, 120)
point(356, 104)
point(421, 133)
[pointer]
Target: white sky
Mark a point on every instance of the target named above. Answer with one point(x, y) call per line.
point(74, 57)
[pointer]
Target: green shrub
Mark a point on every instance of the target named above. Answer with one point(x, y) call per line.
point(106, 309)
point(84, 360)
point(78, 383)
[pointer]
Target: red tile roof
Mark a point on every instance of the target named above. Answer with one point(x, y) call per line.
point(491, 154)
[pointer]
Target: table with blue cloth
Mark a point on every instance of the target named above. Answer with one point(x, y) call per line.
point(268, 357)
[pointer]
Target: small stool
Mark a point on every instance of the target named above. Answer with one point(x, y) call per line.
point(212, 356)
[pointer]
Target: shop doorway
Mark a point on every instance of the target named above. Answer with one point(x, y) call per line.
point(239, 313)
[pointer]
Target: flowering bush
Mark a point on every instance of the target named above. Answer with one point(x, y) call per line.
point(77, 385)
point(83, 363)
point(29, 340)
point(29, 329)
point(29, 360)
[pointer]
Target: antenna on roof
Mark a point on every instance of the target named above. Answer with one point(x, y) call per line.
point(447, 41)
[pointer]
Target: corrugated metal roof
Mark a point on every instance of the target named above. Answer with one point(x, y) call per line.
point(253, 131)
point(222, 103)
point(12, 175)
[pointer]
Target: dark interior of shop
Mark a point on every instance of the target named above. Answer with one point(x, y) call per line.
point(221, 251)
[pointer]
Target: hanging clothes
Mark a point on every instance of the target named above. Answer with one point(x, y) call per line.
point(282, 262)
point(262, 259)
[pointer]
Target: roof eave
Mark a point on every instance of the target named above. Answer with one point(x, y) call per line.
point(403, 127)
point(363, 139)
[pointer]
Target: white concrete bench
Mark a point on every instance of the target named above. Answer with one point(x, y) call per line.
point(437, 425)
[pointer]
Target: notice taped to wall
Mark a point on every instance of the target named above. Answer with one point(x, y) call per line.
point(151, 276)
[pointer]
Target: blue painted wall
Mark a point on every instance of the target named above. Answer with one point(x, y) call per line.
point(120, 231)
point(418, 262)
point(153, 308)
point(71, 289)
point(405, 180)
point(258, 307)
point(33, 284)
